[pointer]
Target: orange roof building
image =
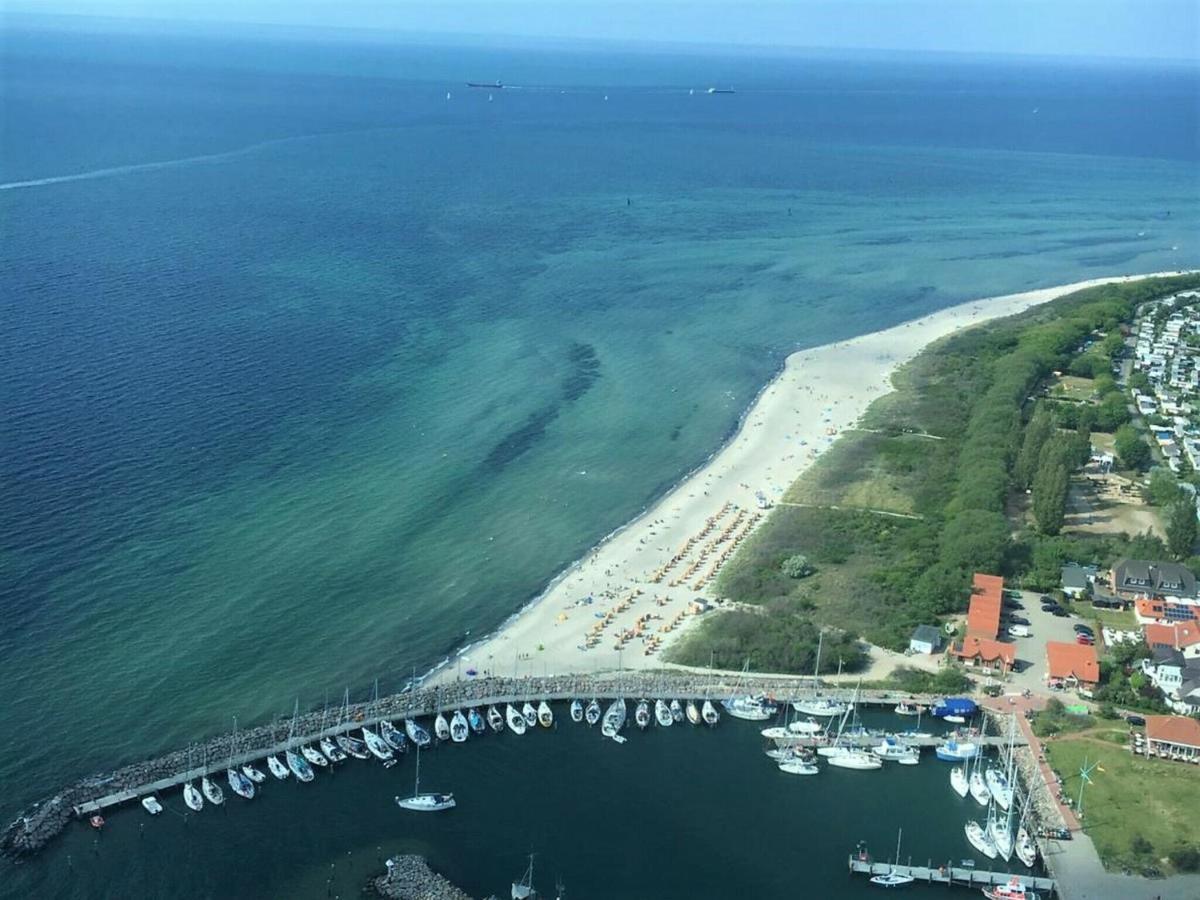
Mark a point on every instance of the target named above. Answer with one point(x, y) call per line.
point(986, 653)
point(983, 615)
point(1174, 736)
point(1076, 663)
point(1177, 636)
point(1148, 609)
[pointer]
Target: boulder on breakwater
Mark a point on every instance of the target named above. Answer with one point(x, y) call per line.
point(409, 877)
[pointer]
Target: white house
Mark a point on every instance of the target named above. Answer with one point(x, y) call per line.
point(925, 639)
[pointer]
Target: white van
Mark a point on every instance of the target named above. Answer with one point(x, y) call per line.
point(1019, 630)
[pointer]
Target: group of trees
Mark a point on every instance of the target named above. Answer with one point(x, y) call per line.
point(1045, 462)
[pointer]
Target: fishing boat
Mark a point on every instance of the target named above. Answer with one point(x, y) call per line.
point(1025, 848)
point(255, 775)
point(709, 714)
point(1014, 890)
point(662, 714)
point(495, 719)
point(956, 751)
point(314, 756)
point(614, 718)
point(641, 715)
point(980, 839)
point(893, 878)
point(515, 720)
point(212, 792)
point(904, 708)
point(592, 714)
point(798, 767)
point(459, 729)
point(192, 797)
point(958, 780)
point(576, 710)
point(299, 765)
point(441, 727)
point(376, 745)
point(475, 720)
point(428, 802)
point(676, 711)
point(151, 805)
point(278, 769)
point(530, 713)
point(545, 715)
point(692, 712)
point(394, 736)
point(416, 733)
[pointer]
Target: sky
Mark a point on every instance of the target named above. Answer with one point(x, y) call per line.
point(1138, 29)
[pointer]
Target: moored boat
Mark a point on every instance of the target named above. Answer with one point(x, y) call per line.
point(798, 767)
point(752, 709)
point(676, 711)
point(441, 727)
point(515, 720)
point(545, 715)
point(979, 788)
point(459, 729)
point(314, 756)
point(904, 708)
point(1014, 890)
point(819, 707)
point(1025, 848)
point(416, 733)
point(376, 745)
point(151, 805)
point(299, 765)
point(427, 802)
point(956, 751)
point(1001, 836)
point(212, 791)
point(239, 783)
point(352, 746)
point(278, 769)
point(192, 797)
point(614, 718)
point(893, 878)
point(495, 719)
point(475, 720)
point(692, 711)
point(641, 714)
point(255, 775)
point(958, 780)
point(394, 736)
point(999, 787)
point(853, 758)
point(576, 710)
point(662, 713)
point(592, 714)
point(332, 751)
point(980, 839)
point(709, 713)
point(530, 714)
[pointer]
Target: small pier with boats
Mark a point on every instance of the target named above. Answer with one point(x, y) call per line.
point(1031, 887)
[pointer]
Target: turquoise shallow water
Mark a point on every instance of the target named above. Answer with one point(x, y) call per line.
point(283, 422)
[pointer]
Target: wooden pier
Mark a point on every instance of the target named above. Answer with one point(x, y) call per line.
point(951, 875)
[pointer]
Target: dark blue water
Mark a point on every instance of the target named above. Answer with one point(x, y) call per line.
point(292, 399)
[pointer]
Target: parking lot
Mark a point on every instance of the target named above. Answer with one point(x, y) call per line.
point(1031, 651)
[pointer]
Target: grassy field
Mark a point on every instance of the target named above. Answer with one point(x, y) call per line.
point(1122, 619)
point(1129, 798)
point(1070, 387)
point(865, 470)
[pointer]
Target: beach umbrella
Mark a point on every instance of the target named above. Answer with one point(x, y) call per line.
point(471, 673)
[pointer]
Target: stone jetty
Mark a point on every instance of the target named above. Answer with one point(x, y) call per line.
point(409, 877)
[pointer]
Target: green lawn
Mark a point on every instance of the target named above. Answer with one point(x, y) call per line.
point(1122, 619)
point(864, 470)
point(1071, 387)
point(1129, 798)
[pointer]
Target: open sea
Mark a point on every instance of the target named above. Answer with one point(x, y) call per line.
point(316, 364)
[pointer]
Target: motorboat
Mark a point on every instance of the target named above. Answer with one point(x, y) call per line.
point(614, 718)
point(904, 708)
point(692, 712)
point(428, 802)
point(212, 791)
point(592, 713)
point(576, 710)
point(278, 769)
point(956, 751)
point(1025, 848)
point(676, 711)
point(752, 709)
point(894, 750)
point(239, 783)
point(958, 780)
point(299, 765)
point(515, 720)
point(332, 751)
point(662, 714)
point(495, 719)
point(314, 756)
point(192, 797)
point(545, 715)
point(956, 719)
point(255, 775)
point(441, 727)
point(999, 786)
point(151, 805)
point(352, 746)
point(709, 713)
point(1014, 890)
point(393, 736)
point(821, 708)
point(416, 733)
point(530, 714)
point(475, 720)
point(641, 715)
point(853, 758)
point(979, 788)
point(798, 767)
point(459, 729)
point(980, 839)
point(378, 746)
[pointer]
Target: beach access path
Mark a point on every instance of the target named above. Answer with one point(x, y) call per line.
point(639, 584)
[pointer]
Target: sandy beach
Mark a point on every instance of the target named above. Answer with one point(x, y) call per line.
point(634, 593)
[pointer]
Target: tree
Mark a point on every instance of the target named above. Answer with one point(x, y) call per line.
point(1181, 527)
point(1140, 382)
point(796, 566)
point(1164, 488)
point(1112, 412)
point(1083, 435)
point(1132, 450)
point(1037, 432)
point(1050, 488)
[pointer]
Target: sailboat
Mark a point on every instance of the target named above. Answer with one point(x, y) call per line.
point(817, 706)
point(238, 782)
point(297, 763)
point(893, 878)
point(998, 781)
point(709, 713)
point(495, 719)
point(977, 782)
point(840, 753)
point(529, 713)
point(351, 746)
point(515, 720)
point(592, 714)
point(394, 736)
point(693, 712)
point(441, 727)
point(254, 774)
point(277, 768)
point(662, 713)
point(523, 889)
point(459, 729)
point(417, 733)
point(545, 715)
point(614, 718)
point(1025, 847)
point(419, 802)
point(475, 720)
point(376, 745)
point(641, 714)
point(958, 780)
point(212, 791)
point(192, 797)
point(980, 839)
point(676, 712)
point(576, 710)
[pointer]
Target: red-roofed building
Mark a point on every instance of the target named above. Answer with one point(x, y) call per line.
point(1174, 737)
point(986, 654)
point(983, 615)
point(1073, 664)
point(1181, 636)
point(1147, 609)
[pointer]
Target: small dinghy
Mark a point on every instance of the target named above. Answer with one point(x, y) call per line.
point(530, 714)
point(332, 751)
point(394, 737)
point(278, 769)
point(576, 710)
point(416, 733)
point(641, 714)
point(212, 792)
point(314, 756)
point(515, 720)
point(459, 729)
point(592, 714)
point(475, 720)
point(151, 805)
point(441, 728)
point(255, 775)
point(693, 712)
point(192, 797)
point(676, 712)
point(495, 719)
point(96, 821)
point(545, 715)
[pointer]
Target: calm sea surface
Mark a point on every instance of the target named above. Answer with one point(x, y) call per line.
point(318, 370)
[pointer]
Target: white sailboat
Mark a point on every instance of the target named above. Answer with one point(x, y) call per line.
point(212, 792)
point(192, 797)
point(314, 756)
point(545, 715)
point(1025, 847)
point(614, 718)
point(980, 839)
point(427, 802)
point(523, 889)
point(592, 714)
point(238, 782)
point(816, 705)
point(495, 719)
point(254, 774)
point(530, 714)
point(843, 756)
point(709, 713)
point(576, 710)
point(416, 733)
point(692, 712)
point(515, 720)
point(979, 789)
point(662, 714)
point(394, 736)
point(641, 714)
point(893, 878)
point(798, 767)
point(277, 768)
point(332, 751)
point(296, 762)
point(676, 711)
point(958, 780)
point(441, 727)
point(377, 746)
point(459, 729)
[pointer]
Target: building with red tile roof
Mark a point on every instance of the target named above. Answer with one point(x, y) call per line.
point(1174, 736)
point(986, 654)
point(1073, 663)
point(983, 615)
point(1182, 636)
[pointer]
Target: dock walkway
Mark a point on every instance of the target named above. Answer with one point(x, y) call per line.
point(952, 875)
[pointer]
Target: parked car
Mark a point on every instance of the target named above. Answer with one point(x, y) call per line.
point(1058, 611)
point(1019, 630)
point(1086, 639)
point(1135, 720)
point(1018, 620)
point(1080, 628)
point(1046, 598)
